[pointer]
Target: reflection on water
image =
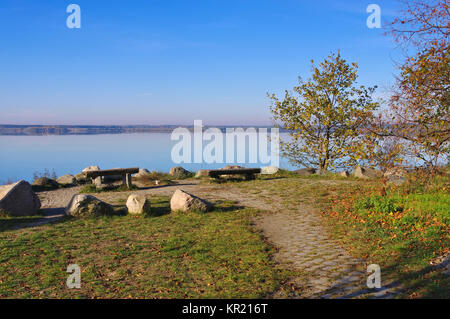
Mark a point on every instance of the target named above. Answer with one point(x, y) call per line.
point(21, 156)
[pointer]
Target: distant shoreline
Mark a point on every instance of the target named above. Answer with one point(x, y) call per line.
point(41, 130)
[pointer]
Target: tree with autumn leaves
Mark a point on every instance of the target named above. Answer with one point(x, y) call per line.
point(326, 116)
point(419, 107)
point(333, 123)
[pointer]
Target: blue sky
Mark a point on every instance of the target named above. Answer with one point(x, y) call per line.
point(171, 62)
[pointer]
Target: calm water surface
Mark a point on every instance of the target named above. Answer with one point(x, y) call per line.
point(22, 156)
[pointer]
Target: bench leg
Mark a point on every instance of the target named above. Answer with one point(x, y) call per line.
point(97, 181)
point(128, 181)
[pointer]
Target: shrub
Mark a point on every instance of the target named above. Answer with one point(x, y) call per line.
point(380, 204)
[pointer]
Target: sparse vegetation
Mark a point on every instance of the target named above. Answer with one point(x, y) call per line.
point(45, 173)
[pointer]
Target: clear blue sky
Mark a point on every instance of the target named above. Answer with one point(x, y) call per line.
point(170, 62)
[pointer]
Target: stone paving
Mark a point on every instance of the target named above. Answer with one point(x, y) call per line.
point(328, 270)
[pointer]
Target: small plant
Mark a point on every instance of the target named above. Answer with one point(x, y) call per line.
point(379, 204)
point(4, 213)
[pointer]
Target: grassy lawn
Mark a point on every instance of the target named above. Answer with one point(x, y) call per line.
point(212, 255)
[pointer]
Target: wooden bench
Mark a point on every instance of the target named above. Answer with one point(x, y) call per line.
point(97, 176)
point(248, 172)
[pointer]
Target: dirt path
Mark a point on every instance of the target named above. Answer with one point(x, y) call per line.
point(328, 271)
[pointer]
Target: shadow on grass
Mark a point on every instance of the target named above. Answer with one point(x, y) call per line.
point(49, 215)
point(427, 282)
point(161, 207)
point(225, 209)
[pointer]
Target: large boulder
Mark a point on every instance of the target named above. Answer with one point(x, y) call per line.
point(88, 205)
point(90, 169)
point(185, 202)
point(67, 180)
point(366, 172)
point(344, 174)
point(202, 173)
point(18, 199)
point(179, 172)
point(143, 173)
point(45, 183)
point(396, 175)
point(138, 204)
point(305, 171)
point(269, 170)
point(81, 178)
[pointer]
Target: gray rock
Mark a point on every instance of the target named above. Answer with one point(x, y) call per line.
point(269, 170)
point(142, 173)
point(366, 172)
point(202, 173)
point(137, 205)
point(179, 172)
point(344, 174)
point(185, 202)
point(81, 178)
point(90, 169)
point(305, 171)
point(18, 199)
point(67, 180)
point(88, 205)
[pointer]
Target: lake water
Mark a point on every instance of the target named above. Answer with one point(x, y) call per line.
point(22, 156)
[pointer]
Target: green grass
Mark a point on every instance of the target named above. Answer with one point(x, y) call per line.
point(401, 231)
point(213, 255)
